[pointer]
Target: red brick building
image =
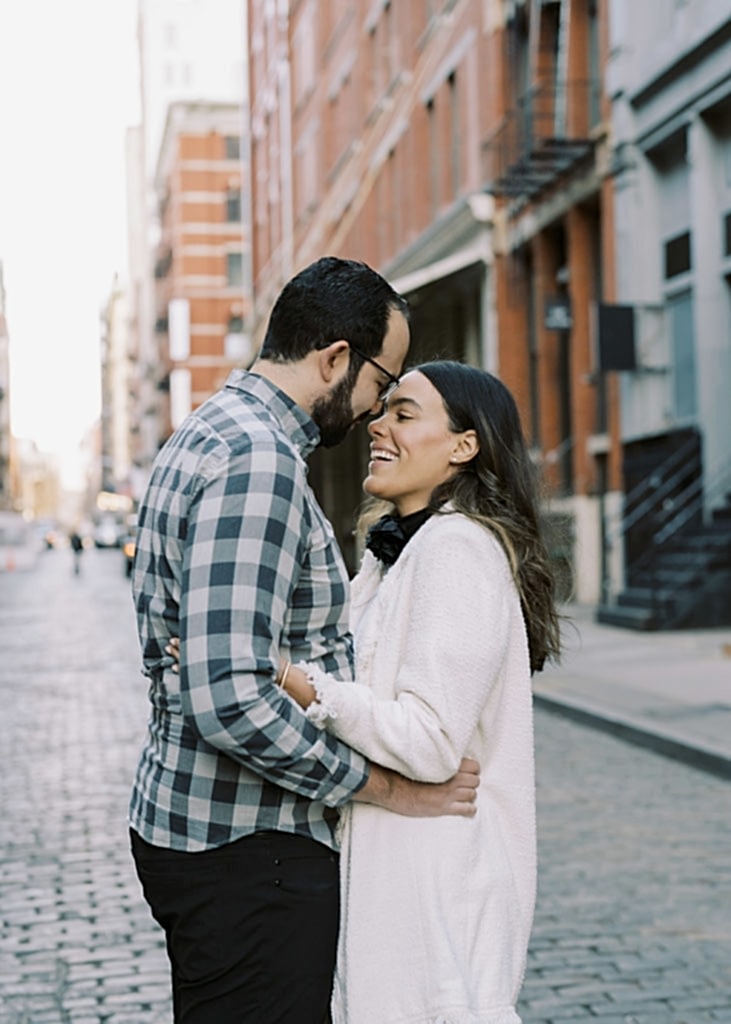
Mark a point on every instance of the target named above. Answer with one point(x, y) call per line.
point(461, 148)
point(199, 267)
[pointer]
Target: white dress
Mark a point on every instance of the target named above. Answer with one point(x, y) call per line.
point(437, 912)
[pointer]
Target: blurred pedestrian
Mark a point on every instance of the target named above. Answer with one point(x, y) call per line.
point(235, 803)
point(77, 547)
point(452, 610)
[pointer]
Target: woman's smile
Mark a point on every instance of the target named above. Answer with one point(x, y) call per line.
point(414, 437)
point(379, 454)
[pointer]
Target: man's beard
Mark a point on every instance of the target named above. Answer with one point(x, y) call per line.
point(334, 414)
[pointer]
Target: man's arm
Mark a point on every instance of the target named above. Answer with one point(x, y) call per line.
point(243, 549)
point(392, 791)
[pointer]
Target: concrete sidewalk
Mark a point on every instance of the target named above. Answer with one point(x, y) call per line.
point(667, 691)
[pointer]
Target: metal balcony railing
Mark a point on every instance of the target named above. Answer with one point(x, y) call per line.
point(544, 137)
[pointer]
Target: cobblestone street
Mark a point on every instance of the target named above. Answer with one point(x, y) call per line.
point(633, 924)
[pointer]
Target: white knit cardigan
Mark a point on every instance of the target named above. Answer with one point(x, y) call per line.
point(437, 912)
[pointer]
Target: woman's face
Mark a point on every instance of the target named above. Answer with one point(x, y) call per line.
point(412, 448)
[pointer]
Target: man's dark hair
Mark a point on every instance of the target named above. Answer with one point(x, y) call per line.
point(330, 300)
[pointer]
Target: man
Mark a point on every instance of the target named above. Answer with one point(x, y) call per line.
point(234, 805)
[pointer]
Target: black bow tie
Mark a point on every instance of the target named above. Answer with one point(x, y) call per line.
point(390, 534)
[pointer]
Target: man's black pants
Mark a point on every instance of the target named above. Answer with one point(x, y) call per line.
point(251, 927)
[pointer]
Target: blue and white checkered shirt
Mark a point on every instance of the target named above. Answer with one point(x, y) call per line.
point(235, 556)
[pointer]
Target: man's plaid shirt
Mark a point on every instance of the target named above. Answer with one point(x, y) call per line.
point(235, 557)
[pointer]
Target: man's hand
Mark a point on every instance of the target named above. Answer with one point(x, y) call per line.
point(455, 797)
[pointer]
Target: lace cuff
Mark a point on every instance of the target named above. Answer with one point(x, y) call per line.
point(320, 711)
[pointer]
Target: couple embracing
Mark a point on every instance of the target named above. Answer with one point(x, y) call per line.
point(322, 827)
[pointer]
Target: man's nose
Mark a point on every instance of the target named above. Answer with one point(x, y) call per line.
point(377, 408)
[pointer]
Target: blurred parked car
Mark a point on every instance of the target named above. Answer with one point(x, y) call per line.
point(106, 533)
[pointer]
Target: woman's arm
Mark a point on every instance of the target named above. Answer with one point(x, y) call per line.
point(296, 683)
point(457, 631)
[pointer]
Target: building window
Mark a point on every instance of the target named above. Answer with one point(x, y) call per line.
point(181, 401)
point(727, 235)
point(233, 206)
point(234, 269)
point(677, 255)
point(179, 320)
point(684, 369)
point(233, 147)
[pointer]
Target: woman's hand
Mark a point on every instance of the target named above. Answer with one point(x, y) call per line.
point(173, 649)
point(295, 682)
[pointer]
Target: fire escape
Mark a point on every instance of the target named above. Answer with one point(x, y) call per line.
point(536, 146)
point(545, 133)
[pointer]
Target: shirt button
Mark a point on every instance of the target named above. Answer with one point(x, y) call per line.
point(277, 881)
point(277, 860)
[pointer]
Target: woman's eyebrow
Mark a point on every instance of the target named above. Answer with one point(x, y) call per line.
point(397, 400)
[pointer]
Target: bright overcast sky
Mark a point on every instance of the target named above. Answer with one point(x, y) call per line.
point(68, 90)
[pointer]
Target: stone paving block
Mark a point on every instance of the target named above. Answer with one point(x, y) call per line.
point(558, 1015)
point(718, 1001)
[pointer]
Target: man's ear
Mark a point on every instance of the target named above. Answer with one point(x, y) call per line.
point(466, 448)
point(334, 360)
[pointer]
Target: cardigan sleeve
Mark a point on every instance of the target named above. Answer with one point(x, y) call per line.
point(457, 634)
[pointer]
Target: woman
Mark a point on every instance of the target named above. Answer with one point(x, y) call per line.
point(452, 611)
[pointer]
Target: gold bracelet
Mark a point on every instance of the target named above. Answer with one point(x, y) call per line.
point(283, 680)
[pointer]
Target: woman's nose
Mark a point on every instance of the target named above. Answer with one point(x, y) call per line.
point(375, 426)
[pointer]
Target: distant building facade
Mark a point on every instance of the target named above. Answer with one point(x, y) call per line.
point(188, 51)
point(36, 481)
point(199, 305)
point(670, 86)
point(117, 394)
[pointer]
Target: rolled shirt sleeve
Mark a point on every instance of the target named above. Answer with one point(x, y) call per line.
point(255, 548)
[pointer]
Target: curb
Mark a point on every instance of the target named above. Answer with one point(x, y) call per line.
point(640, 734)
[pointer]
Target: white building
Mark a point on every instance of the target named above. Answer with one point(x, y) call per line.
point(669, 80)
point(116, 373)
point(188, 50)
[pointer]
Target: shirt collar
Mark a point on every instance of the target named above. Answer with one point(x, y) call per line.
point(294, 421)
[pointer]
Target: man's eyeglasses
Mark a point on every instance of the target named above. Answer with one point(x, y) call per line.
point(393, 382)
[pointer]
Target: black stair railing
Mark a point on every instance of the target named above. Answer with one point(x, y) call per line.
point(699, 496)
point(656, 487)
point(676, 590)
point(674, 505)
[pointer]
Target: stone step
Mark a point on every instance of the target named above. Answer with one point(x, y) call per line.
point(627, 617)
